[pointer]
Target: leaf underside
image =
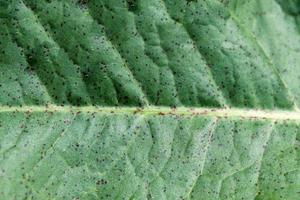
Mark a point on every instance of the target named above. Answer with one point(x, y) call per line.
point(149, 99)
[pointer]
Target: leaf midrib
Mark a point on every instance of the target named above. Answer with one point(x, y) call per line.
point(159, 110)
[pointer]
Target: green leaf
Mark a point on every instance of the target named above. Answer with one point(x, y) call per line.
point(149, 99)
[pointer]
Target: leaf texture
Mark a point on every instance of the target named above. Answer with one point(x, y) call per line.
point(149, 99)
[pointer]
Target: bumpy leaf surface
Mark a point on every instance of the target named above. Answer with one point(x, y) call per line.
point(150, 99)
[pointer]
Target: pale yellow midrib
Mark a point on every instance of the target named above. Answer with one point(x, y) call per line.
point(157, 110)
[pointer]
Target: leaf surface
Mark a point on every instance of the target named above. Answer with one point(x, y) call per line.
point(149, 99)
